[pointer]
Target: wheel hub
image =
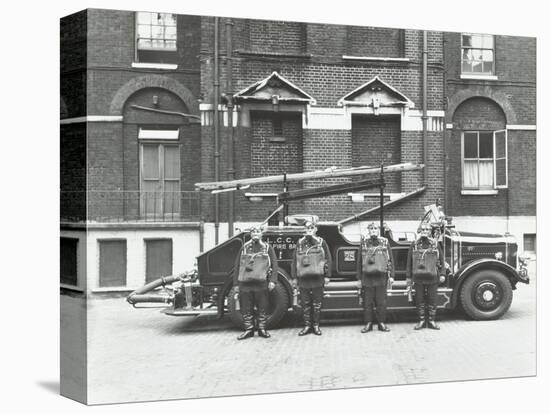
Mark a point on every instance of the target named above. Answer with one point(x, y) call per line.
point(487, 295)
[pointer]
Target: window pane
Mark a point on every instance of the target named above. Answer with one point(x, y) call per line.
point(466, 40)
point(144, 44)
point(486, 174)
point(477, 67)
point(470, 174)
point(477, 41)
point(170, 32)
point(150, 162)
point(470, 145)
point(488, 67)
point(158, 44)
point(487, 55)
point(68, 261)
point(170, 19)
point(485, 145)
point(171, 162)
point(488, 41)
point(530, 242)
point(157, 32)
point(144, 31)
point(144, 17)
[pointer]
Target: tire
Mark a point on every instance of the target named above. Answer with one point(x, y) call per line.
point(486, 295)
point(278, 307)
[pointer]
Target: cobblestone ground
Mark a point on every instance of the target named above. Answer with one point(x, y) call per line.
point(140, 355)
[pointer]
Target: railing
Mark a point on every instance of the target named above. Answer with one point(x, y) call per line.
point(139, 206)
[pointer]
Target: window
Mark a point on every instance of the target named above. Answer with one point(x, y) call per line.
point(112, 263)
point(156, 35)
point(160, 172)
point(478, 54)
point(530, 243)
point(68, 261)
point(158, 258)
point(484, 160)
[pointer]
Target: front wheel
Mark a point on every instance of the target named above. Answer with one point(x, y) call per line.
point(278, 306)
point(486, 295)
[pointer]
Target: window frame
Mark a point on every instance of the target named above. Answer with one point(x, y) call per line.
point(493, 49)
point(137, 48)
point(160, 144)
point(494, 159)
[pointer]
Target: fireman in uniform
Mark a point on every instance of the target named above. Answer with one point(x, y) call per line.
point(425, 264)
point(375, 270)
point(254, 276)
point(310, 271)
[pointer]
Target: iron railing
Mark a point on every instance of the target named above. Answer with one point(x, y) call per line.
point(139, 206)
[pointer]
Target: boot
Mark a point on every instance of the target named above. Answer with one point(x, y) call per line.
point(263, 333)
point(262, 322)
point(316, 317)
point(307, 319)
point(382, 327)
point(249, 333)
point(420, 309)
point(367, 328)
point(431, 317)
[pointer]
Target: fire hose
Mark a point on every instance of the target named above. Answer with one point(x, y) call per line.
point(141, 295)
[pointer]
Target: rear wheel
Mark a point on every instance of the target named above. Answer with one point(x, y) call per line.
point(486, 295)
point(278, 306)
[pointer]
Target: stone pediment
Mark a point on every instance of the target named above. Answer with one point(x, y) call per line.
point(274, 87)
point(376, 93)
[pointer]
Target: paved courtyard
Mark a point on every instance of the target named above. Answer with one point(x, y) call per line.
point(141, 354)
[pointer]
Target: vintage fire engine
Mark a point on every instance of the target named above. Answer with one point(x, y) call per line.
point(482, 270)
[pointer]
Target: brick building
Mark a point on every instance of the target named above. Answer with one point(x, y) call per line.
point(141, 92)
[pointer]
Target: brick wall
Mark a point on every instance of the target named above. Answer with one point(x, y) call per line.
point(376, 140)
point(276, 36)
point(73, 55)
point(374, 41)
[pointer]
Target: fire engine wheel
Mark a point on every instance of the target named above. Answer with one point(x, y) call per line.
point(486, 295)
point(278, 306)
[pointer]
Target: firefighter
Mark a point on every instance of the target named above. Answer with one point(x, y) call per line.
point(425, 265)
point(310, 271)
point(375, 271)
point(255, 275)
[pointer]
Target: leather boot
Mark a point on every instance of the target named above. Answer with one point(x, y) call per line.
point(367, 327)
point(316, 318)
point(306, 307)
point(263, 333)
point(382, 327)
point(431, 317)
point(246, 334)
point(420, 309)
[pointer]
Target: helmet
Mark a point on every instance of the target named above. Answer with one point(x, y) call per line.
point(373, 230)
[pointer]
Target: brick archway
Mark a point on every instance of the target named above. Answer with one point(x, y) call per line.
point(481, 92)
point(153, 81)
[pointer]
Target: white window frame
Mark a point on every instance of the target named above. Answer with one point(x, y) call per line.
point(483, 190)
point(471, 74)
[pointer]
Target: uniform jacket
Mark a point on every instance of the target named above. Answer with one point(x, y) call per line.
point(424, 243)
point(374, 280)
point(271, 275)
point(311, 282)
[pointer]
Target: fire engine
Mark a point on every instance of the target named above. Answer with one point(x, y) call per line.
point(481, 270)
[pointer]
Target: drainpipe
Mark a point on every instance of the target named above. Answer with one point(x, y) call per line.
point(216, 127)
point(425, 105)
point(230, 106)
